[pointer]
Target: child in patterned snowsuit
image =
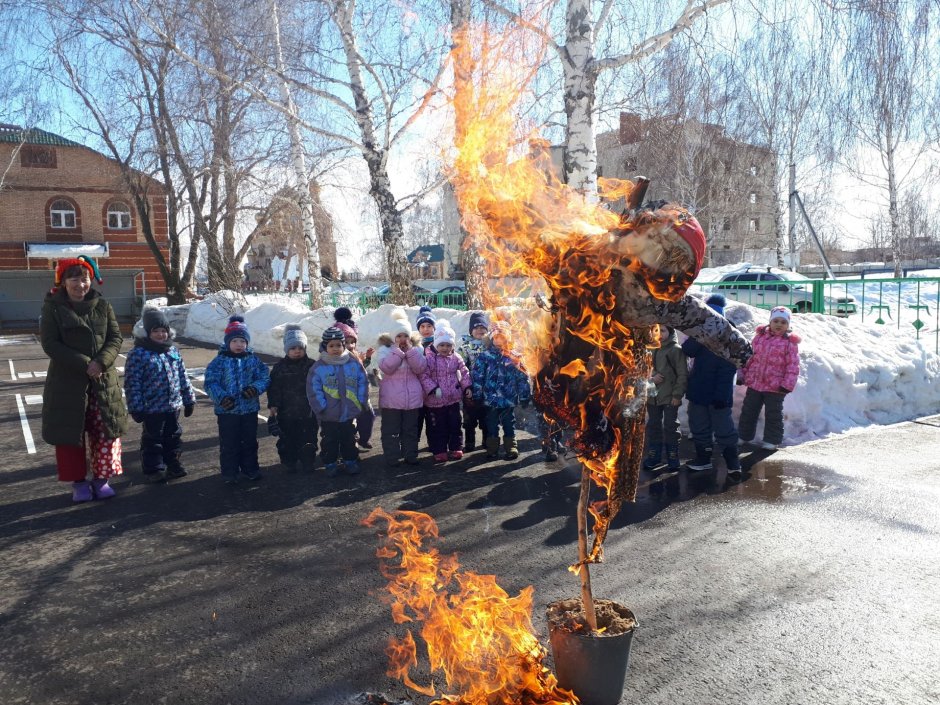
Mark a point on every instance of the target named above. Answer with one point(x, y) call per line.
point(474, 413)
point(446, 381)
point(500, 382)
point(770, 375)
point(366, 419)
point(157, 388)
point(337, 389)
point(234, 380)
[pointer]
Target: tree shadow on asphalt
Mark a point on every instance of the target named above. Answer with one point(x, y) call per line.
point(555, 495)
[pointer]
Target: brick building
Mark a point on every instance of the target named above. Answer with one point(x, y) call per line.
point(57, 194)
point(729, 184)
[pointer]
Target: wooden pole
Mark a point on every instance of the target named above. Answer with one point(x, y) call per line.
point(587, 597)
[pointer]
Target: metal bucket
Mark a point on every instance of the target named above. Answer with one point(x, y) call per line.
point(592, 666)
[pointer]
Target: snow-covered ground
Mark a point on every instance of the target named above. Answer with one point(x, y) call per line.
point(853, 374)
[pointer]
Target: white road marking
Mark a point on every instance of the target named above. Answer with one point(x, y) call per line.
point(24, 422)
point(12, 371)
point(40, 374)
point(33, 398)
point(25, 375)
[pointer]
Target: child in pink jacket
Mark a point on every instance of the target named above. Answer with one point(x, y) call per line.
point(446, 381)
point(770, 375)
point(401, 395)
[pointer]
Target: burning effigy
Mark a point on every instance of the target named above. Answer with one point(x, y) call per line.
point(606, 278)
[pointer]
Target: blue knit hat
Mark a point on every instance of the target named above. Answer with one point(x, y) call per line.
point(425, 315)
point(478, 319)
point(294, 337)
point(236, 328)
point(717, 302)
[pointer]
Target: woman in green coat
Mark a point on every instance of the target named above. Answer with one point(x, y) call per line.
point(83, 412)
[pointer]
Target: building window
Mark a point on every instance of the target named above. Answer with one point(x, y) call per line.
point(753, 225)
point(726, 224)
point(62, 215)
point(119, 216)
point(753, 169)
point(629, 164)
point(752, 197)
point(34, 156)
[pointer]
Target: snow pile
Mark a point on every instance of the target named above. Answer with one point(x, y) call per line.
point(852, 373)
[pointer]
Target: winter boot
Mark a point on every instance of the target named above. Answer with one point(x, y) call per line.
point(455, 454)
point(155, 476)
point(511, 448)
point(469, 440)
point(81, 492)
point(332, 469)
point(672, 457)
point(654, 456)
point(102, 489)
point(548, 447)
point(352, 467)
point(492, 448)
point(703, 459)
point(440, 458)
point(730, 454)
point(175, 469)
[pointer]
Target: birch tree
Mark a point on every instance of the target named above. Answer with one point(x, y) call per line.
point(890, 50)
point(783, 80)
point(197, 134)
point(582, 66)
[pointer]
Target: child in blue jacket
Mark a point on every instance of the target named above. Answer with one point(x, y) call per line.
point(234, 380)
point(500, 382)
point(157, 388)
point(338, 390)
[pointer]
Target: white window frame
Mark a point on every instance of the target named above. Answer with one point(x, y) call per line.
point(123, 217)
point(753, 225)
point(62, 215)
point(752, 197)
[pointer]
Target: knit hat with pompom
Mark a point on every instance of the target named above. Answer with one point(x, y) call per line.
point(236, 328)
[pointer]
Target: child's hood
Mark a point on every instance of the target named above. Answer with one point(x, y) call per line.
point(790, 335)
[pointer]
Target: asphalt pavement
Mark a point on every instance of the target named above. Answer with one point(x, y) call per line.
point(816, 580)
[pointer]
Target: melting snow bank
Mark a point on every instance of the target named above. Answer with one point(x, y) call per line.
point(852, 374)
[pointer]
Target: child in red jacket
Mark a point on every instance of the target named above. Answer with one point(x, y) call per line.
point(770, 375)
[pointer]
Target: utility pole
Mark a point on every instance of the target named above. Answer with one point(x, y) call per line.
point(300, 171)
point(791, 226)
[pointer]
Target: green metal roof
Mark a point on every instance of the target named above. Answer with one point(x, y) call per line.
point(16, 134)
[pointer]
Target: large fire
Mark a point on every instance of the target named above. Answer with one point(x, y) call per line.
point(477, 635)
point(590, 359)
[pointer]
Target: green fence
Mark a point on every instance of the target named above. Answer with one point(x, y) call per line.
point(908, 304)
point(366, 302)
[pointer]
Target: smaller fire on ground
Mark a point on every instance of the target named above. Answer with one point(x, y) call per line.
point(478, 636)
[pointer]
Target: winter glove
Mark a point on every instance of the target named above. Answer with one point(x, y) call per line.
point(274, 428)
point(137, 416)
point(468, 395)
point(437, 393)
point(783, 390)
point(227, 403)
point(188, 410)
point(249, 393)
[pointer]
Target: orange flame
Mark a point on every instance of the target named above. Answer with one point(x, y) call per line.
point(592, 364)
point(476, 634)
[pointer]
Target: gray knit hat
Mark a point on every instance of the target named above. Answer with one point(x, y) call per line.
point(294, 337)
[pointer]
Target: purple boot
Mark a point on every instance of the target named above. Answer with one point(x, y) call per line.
point(102, 489)
point(81, 492)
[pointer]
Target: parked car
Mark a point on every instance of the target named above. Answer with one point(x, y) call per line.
point(766, 288)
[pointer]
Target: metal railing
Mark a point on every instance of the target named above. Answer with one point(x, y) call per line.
point(367, 301)
point(909, 304)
